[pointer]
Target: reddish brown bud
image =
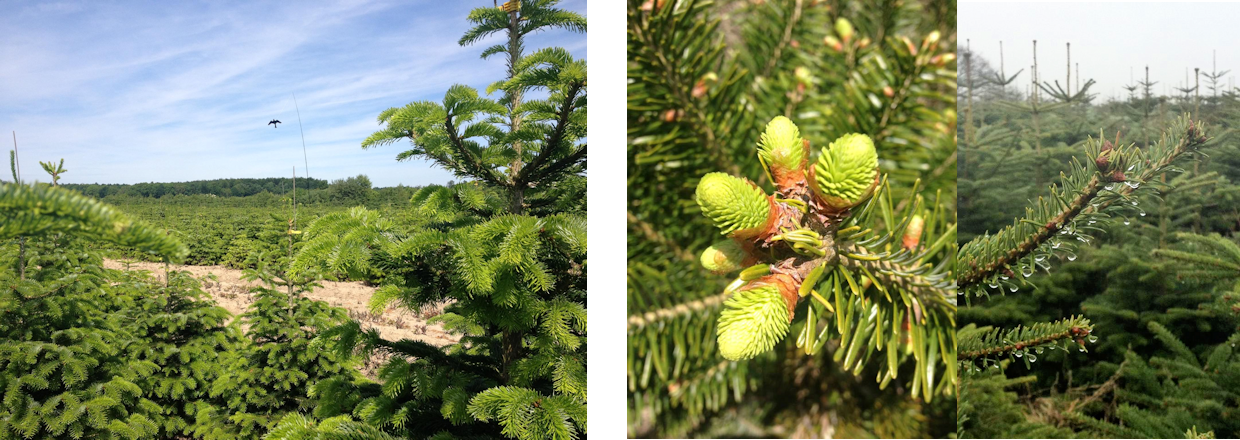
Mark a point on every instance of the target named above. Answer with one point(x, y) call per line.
point(1020, 346)
point(1103, 163)
point(1118, 176)
point(699, 89)
point(888, 92)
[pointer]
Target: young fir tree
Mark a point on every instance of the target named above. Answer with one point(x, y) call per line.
point(273, 375)
point(64, 372)
point(184, 336)
point(505, 250)
point(724, 93)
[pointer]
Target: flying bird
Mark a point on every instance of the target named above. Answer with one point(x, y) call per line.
point(274, 122)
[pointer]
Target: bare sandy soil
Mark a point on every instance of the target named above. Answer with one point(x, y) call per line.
point(233, 294)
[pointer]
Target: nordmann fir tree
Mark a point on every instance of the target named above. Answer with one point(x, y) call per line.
point(1089, 198)
point(505, 251)
point(64, 372)
point(705, 80)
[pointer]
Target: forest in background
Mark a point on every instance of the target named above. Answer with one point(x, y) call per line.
point(1155, 276)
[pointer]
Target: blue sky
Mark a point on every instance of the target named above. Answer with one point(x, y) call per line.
point(131, 92)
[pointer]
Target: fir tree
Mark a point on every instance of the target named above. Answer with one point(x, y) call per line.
point(63, 370)
point(506, 250)
point(273, 375)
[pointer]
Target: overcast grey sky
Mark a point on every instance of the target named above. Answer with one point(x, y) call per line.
point(1107, 40)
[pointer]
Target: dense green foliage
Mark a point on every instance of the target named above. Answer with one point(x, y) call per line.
point(227, 230)
point(1154, 353)
point(704, 81)
point(88, 352)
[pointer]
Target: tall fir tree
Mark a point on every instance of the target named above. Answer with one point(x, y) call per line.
point(505, 250)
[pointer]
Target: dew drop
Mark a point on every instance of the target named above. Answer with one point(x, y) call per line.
point(1130, 167)
point(1109, 187)
point(993, 285)
point(1055, 245)
point(1032, 358)
point(1133, 185)
point(1026, 271)
point(1039, 258)
point(1013, 288)
point(1071, 256)
point(1039, 349)
point(1080, 349)
point(1127, 221)
point(1134, 203)
point(1143, 213)
point(1019, 353)
point(1004, 277)
point(1093, 338)
point(1093, 221)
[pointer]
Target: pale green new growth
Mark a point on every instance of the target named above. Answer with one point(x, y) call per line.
point(723, 257)
point(781, 144)
point(752, 322)
point(733, 203)
point(846, 171)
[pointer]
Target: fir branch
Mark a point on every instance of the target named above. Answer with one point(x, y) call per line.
point(990, 342)
point(1080, 196)
point(678, 310)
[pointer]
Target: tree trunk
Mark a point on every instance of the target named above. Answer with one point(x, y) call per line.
point(514, 55)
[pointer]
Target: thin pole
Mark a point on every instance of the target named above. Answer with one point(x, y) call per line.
point(17, 158)
point(303, 140)
point(1002, 72)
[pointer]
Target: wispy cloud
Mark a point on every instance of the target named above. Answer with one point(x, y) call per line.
point(181, 91)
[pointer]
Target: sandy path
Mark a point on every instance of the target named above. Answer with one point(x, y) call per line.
point(232, 293)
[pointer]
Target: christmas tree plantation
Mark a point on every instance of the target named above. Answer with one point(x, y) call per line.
point(1103, 306)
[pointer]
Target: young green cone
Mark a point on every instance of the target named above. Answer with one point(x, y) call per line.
point(738, 207)
point(846, 172)
point(753, 320)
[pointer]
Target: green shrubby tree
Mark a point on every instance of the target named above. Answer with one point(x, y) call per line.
point(63, 369)
point(709, 82)
point(182, 335)
point(273, 375)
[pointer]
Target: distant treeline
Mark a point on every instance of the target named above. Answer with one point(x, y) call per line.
point(351, 191)
point(217, 187)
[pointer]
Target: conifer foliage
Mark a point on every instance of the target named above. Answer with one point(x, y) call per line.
point(505, 251)
point(1105, 309)
point(806, 145)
